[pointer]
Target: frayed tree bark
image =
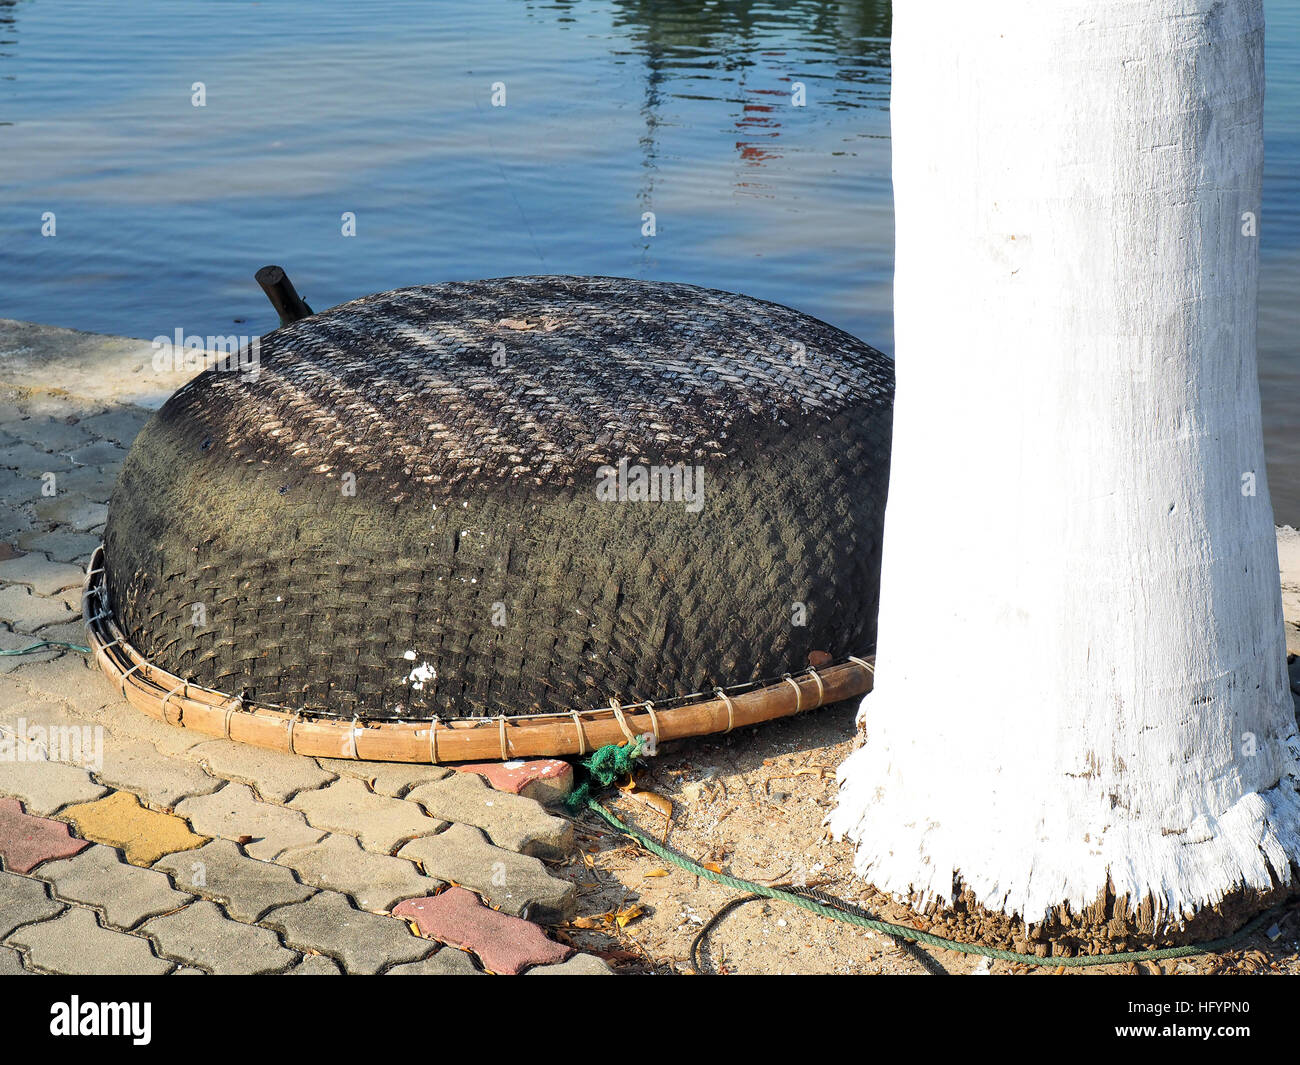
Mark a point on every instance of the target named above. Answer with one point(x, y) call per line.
point(1081, 665)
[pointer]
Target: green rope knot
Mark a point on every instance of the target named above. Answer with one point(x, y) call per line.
point(606, 766)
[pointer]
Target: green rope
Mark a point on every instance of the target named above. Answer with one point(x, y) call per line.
point(47, 643)
point(850, 914)
point(604, 768)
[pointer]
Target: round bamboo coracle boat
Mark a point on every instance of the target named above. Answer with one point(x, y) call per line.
point(515, 517)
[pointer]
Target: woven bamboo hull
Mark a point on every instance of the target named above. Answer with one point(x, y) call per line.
point(385, 525)
point(173, 701)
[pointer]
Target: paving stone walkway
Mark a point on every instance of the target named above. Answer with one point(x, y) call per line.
point(127, 846)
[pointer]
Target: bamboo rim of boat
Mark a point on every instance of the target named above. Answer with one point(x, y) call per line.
point(174, 701)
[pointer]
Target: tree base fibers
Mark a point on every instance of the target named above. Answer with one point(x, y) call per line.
point(1126, 886)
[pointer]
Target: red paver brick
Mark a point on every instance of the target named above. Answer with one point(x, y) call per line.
point(552, 776)
point(26, 841)
point(506, 945)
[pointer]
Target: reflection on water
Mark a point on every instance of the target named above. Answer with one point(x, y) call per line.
point(615, 110)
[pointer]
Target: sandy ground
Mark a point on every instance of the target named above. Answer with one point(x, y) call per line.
point(754, 803)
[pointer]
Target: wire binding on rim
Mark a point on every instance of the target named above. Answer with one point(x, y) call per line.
point(868, 666)
point(654, 721)
point(731, 708)
point(821, 688)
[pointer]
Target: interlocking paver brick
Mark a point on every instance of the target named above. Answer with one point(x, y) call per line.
point(45, 723)
point(39, 573)
point(91, 483)
point(202, 935)
point(11, 963)
point(23, 900)
point(247, 888)
point(120, 425)
point(545, 780)
point(128, 723)
point(235, 812)
point(28, 612)
point(125, 893)
point(506, 945)
point(315, 965)
point(138, 766)
point(74, 943)
point(62, 545)
point(33, 461)
point(100, 453)
point(393, 779)
point(53, 434)
point(274, 775)
point(382, 824)
point(78, 514)
point(578, 965)
point(447, 962)
point(27, 841)
point(510, 821)
point(13, 520)
point(375, 881)
point(144, 835)
point(45, 786)
point(515, 883)
point(70, 678)
point(362, 942)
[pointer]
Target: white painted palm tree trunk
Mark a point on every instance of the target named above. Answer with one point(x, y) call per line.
point(1081, 670)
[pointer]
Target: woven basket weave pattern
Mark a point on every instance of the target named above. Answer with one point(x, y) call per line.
point(474, 418)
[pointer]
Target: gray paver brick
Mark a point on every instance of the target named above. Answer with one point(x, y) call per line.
point(315, 965)
point(27, 612)
point(75, 944)
point(203, 936)
point(78, 514)
point(45, 786)
point(31, 461)
point(375, 881)
point(23, 900)
point(136, 765)
point(62, 545)
point(447, 962)
point(11, 963)
point(125, 893)
point(514, 883)
point(53, 434)
point(234, 812)
point(120, 425)
point(510, 821)
point(381, 823)
point(70, 678)
point(246, 887)
point(393, 779)
point(126, 722)
point(13, 519)
point(93, 484)
point(100, 453)
point(274, 775)
point(362, 942)
point(42, 575)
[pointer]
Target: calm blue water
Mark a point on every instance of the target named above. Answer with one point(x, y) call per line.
point(164, 210)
